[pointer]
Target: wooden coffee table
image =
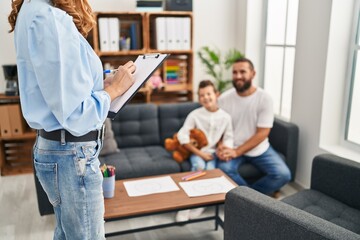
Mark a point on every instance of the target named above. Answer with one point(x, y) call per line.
point(123, 207)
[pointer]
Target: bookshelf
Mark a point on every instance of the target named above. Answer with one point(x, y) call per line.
point(144, 33)
point(16, 138)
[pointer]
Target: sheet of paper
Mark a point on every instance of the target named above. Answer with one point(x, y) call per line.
point(150, 186)
point(145, 66)
point(197, 188)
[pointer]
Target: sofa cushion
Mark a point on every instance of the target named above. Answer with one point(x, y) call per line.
point(110, 144)
point(137, 125)
point(327, 208)
point(172, 117)
point(141, 161)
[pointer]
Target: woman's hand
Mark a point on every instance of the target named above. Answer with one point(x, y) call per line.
point(121, 81)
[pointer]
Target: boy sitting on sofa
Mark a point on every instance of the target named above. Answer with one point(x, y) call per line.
point(216, 125)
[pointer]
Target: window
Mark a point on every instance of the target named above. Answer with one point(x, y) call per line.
point(353, 115)
point(280, 44)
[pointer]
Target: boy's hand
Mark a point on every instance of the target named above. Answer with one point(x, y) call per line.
point(206, 156)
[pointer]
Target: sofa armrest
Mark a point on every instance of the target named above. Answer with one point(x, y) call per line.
point(252, 215)
point(337, 177)
point(284, 138)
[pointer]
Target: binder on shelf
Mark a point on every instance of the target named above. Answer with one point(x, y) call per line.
point(145, 66)
point(178, 23)
point(160, 29)
point(171, 33)
point(186, 33)
point(5, 127)
point(17, 123)
point(114, 33)
point(104, 34)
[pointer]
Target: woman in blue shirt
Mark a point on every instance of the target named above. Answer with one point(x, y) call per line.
point(62, 95)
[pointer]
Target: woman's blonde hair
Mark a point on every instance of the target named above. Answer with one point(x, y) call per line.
point(80, 11)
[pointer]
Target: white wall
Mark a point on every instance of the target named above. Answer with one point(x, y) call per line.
point(215, 25)
point(309, 76)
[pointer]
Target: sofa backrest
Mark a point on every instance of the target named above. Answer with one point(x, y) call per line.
point(137, 125)
point(172, 117)
point(337, 177)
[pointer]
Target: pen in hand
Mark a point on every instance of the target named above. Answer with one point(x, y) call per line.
point(110, 71)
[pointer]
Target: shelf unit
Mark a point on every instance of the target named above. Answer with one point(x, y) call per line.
point(178, 90)
point(16, 149)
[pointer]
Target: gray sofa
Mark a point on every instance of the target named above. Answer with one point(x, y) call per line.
point(330, 209)
point(140, 131)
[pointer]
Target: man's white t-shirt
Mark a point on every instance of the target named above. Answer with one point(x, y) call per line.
point(215, 125)
point(247, 114)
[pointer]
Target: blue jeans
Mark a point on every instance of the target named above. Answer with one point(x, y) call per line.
point(277, 174)
point(72, 180)
point(197, 163)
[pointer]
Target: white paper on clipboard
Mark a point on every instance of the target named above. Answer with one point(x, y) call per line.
point(145, 66)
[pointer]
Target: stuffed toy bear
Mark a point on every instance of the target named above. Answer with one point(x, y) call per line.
point(180, 153)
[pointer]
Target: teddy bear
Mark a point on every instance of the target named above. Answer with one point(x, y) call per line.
point(180, 153)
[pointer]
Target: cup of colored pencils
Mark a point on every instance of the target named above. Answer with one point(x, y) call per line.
point(108, 173)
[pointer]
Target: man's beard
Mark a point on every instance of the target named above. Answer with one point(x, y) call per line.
point(243, 88)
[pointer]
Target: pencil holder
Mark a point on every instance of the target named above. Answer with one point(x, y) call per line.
point(109, 186)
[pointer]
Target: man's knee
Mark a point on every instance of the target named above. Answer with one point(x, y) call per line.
point(283, 175)
point(225, 166)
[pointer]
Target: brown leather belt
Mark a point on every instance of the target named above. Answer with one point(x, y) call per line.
point(63, 135)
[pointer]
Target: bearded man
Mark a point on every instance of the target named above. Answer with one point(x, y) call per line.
point(251, 109)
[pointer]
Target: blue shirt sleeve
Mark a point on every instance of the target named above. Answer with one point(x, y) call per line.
point(63, 69)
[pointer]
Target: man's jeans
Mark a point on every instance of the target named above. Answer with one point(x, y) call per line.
point(72, 180)
point(277, 174)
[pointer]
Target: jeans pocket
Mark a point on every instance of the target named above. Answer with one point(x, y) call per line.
point(87, 158)
point(47, 173)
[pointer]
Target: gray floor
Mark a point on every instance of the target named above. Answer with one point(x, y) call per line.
point(20, 219)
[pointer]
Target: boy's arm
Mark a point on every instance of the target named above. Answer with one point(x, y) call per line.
point(205, 156)
point(228, 136)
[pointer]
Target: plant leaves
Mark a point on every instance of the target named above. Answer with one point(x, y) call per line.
point(215, 66)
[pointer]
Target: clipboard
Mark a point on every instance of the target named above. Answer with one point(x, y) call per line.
point(145, 66)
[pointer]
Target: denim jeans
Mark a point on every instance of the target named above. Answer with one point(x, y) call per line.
point(72, 180)
point(277, 174)
point(197, 163)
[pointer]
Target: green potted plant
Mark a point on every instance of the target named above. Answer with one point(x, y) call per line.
point(216, 65)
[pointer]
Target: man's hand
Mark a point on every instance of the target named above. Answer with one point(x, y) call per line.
point(225, 153)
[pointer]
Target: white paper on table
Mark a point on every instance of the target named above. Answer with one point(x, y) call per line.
point(150, 186)
point(207, 186)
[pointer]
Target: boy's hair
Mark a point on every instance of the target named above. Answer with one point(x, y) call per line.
point(206, 83)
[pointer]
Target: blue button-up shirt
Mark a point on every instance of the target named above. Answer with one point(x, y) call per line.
point(60, 76)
